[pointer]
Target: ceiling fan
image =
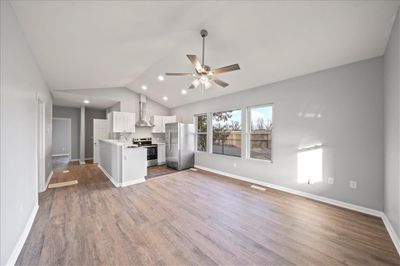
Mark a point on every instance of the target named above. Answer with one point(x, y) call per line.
point(204, 75)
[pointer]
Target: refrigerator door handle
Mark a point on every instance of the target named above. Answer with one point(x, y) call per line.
point(170, 140)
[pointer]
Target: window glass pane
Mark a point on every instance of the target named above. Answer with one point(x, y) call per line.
point(202, 123)
point(201, 132)
point(261, 132)
point(227, 132)
point(202, 142)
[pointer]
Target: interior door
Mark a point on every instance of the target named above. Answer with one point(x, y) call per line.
point(100, 131)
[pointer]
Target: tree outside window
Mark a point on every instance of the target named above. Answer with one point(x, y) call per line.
point(227, 133)
point(201, 132)
point(260, 138)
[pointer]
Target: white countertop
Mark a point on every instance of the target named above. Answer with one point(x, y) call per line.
point(119, 142)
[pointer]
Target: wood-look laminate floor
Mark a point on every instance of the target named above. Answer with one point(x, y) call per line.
point(189, 218)
point(159, 170)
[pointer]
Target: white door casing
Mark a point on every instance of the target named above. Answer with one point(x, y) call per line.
point(41, 134)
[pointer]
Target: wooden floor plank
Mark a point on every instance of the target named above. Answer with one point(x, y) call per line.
point(196, 218)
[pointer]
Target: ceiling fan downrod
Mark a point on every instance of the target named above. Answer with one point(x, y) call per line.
point(203, 34)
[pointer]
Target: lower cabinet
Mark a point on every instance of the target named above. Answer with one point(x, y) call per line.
point(161, 153)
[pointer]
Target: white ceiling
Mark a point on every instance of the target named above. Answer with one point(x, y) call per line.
point(62, 98)
point(98, 44)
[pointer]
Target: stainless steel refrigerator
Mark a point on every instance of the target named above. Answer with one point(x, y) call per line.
point(179, 140)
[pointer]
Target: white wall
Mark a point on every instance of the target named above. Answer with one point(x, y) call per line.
point(349, 99)
point(392, 127)
point(21, 85)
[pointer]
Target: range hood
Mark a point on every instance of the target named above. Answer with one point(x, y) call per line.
point(143, 122)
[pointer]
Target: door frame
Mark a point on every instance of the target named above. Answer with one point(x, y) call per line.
point(70, 136)
point(41, 145)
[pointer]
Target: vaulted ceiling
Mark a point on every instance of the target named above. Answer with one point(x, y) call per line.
point(101, 44)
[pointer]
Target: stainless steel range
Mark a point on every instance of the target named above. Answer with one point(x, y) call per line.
point(151, 149)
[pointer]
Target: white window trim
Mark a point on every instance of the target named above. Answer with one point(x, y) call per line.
point(248, 132)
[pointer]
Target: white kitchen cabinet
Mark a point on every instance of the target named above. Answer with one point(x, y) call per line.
point(161, 153)
point(159, 122)
point(122, 122)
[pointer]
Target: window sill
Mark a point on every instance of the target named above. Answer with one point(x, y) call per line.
point(259, 160)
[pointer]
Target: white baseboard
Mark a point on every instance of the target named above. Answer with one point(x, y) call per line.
point(74, 160)
point(108, 176)
point(389, 228)
point(82, 162)
point(395, 238)
point(59, 155)
point(48, 180)
point(21, 241)
point(298, 192)
point(132, 182)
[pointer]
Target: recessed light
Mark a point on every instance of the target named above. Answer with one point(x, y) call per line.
point(165, 98)
point(86, 101)
point(144, 87)
point(160, 78)
point(183, 91)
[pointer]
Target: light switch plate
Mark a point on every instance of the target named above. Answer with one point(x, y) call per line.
point(353, 184)
point(331, 180)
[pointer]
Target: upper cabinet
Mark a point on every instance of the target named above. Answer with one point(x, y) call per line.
point(122, 122)
point(160, 121)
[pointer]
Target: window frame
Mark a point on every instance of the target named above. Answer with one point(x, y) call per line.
point(242, 131)
point(248, 132)
point(196, 133)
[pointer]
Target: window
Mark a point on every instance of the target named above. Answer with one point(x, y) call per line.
point(260, 132)
point(201, 132)
point(227, 132)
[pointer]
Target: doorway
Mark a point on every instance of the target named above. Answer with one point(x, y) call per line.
point(61, 149)
point(41, 158)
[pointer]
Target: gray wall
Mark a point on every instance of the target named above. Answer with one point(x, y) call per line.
point(91, 114)
point(349, 100)
point(61, 137)
point(21, 85)
point(392, 127)
point(75, 115)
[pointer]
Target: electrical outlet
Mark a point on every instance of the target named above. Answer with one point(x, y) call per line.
point(330, 180)
point(353, 184)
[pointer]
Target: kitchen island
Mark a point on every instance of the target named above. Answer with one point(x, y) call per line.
point(123, 163)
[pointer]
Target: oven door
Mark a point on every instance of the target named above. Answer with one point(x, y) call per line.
point(152, 153)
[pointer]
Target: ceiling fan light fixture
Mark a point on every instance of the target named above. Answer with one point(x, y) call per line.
point(207, 84)
point(196, 83)
point(203, 79)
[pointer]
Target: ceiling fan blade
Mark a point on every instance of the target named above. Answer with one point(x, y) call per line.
point(196, 63)
point(220, 82)
point(179, 74)
point(225, 69)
